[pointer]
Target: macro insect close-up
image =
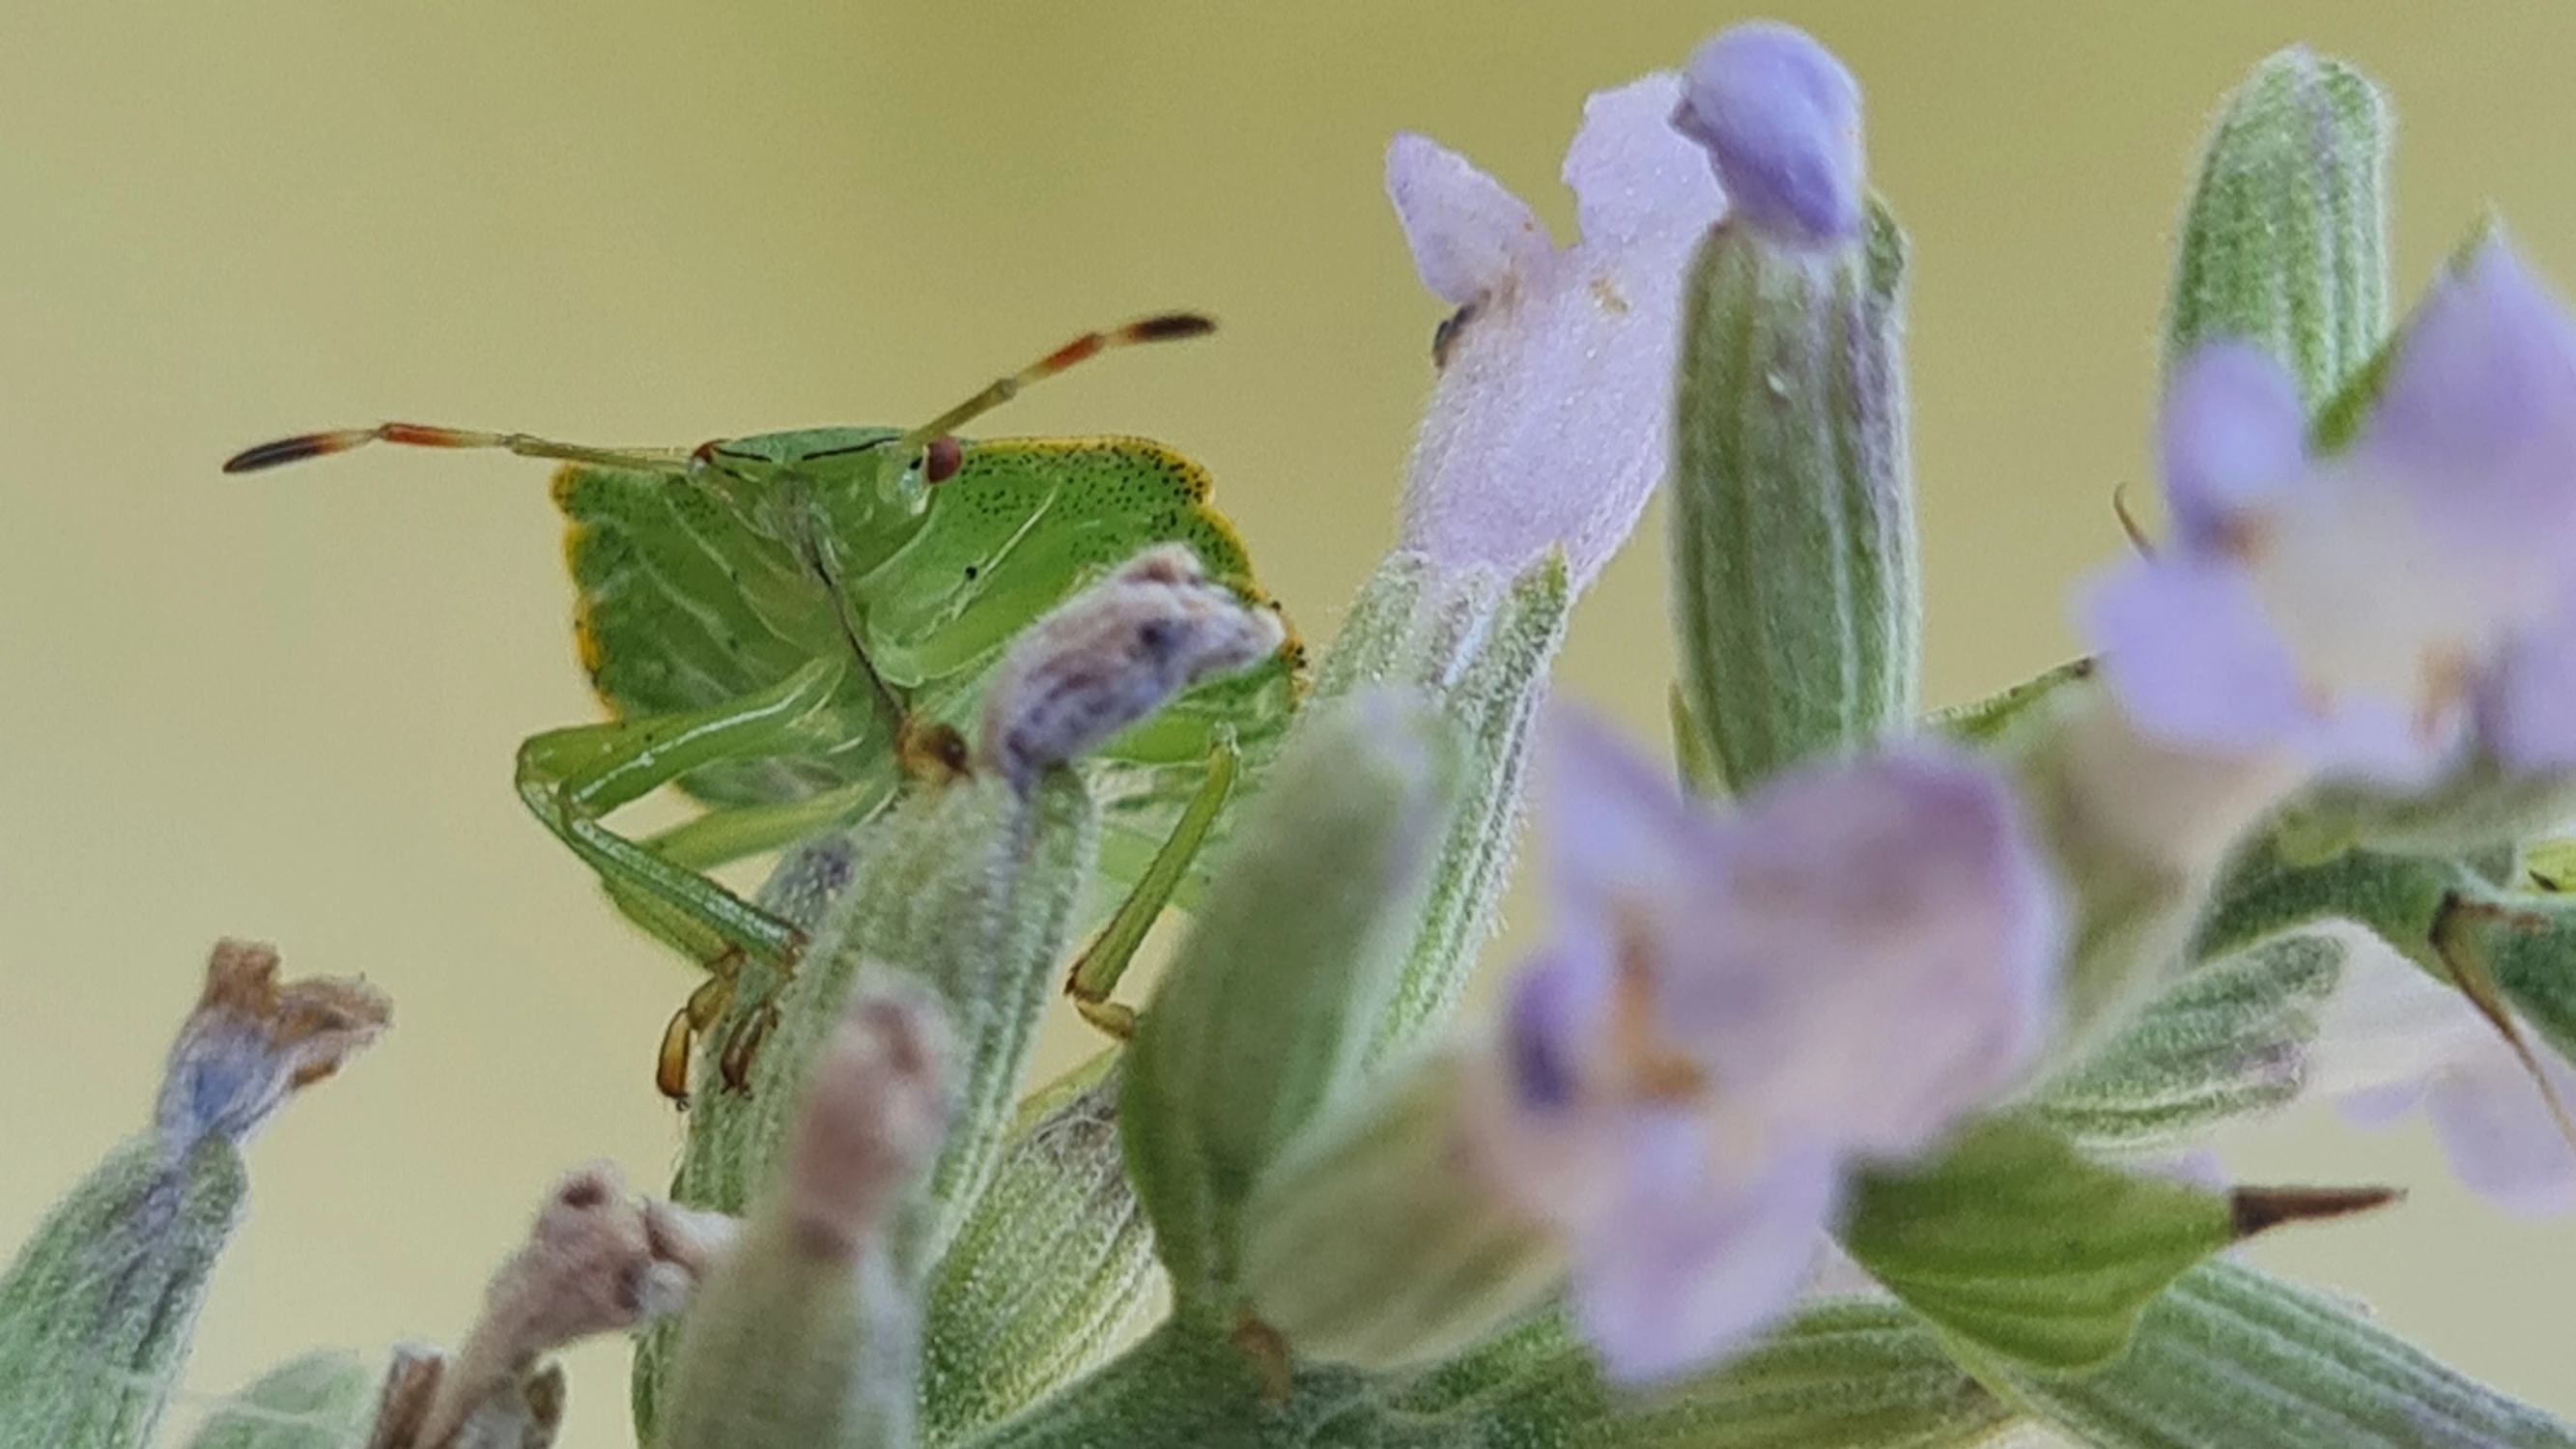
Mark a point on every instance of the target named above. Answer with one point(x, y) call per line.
point(791, 626)
point(1852, 728)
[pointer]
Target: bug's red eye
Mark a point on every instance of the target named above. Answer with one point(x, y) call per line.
point(941, 460)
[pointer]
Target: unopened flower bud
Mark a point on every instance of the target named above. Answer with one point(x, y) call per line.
point(1112, 656)
point(97, 1312)
point(2285, 245)
point(1273, 1001)
point(1780, 117)
point(807, 1333)
point(875, 1112)
point(1376, 1241)
point(597, 1261)
point(1795, 593)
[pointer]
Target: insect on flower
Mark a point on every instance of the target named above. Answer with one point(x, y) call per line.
point(795, 627)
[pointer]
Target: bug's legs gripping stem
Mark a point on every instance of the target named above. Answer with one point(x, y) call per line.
point(572, 778)
point(1096, 971)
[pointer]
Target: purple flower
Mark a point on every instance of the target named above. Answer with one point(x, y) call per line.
point(1733, 1011)
point(1781, 120)
point(2394, 1039)
point(2375, 607)
point(1548, 428)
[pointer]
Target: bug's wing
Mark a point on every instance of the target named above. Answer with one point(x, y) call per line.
point(684, 603)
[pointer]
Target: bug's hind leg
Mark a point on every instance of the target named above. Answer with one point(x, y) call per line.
point(1096, 971)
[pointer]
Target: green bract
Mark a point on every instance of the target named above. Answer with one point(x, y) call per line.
point(1276, 998)
point(1794, 579)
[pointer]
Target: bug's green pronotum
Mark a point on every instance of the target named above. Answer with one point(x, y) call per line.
point(793, 625)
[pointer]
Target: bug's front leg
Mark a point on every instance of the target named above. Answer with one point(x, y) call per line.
point(572, 778)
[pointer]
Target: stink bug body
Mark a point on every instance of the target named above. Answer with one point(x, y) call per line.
point(795, 626)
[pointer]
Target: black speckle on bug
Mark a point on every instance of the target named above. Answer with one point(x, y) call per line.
point(971, 572)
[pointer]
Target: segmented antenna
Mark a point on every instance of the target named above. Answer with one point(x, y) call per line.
point(420, 435)
point(927, 440)
point(1164, 327)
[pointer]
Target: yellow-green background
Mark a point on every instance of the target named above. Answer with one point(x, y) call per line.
point(284, 706)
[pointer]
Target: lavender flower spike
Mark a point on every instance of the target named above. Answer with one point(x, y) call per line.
point(1735, 1012)
point(2370, 609)
point(1781, 120)
point(1548, 427)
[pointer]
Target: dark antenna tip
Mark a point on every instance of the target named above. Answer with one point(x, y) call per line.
point(1171, 327)
point(296, 449)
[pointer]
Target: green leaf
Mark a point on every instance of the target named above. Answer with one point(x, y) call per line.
point(1846, 1373)
point(1370, 1242)
point(323, 1400)
point(2018, 1244)
point(2269, 890)
point(1053, 1264)
point(2527, 941)
point(2229, 1039)
point(2231, 1356)
point(2479, 805)
point(1178, 1388)
point(1985, 721)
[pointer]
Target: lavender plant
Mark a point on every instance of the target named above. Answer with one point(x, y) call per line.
point(1840, 1107)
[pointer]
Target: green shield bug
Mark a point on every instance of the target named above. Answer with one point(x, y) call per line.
point(792, 626)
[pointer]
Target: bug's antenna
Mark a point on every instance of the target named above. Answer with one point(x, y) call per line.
point(418, 435)
point(1165, 327)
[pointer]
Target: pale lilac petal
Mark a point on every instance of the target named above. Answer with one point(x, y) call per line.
point(2386, 1029)
point(1877, 956)
point(2188, 652)
point(2527, 705)
point(1687, 1267)
point(2368, 609)
point(1617, 827)
point(2499, 1133)
point(2478, 413)
point(1559, 1003)
point(1549, 429)
point(2231, 433)
point(2382, 1107)
point(1734, 1010)
point(2375, 737)
point(2392, 1038)
point(1468, 234)
point(1631, 173)
point(1780, 117)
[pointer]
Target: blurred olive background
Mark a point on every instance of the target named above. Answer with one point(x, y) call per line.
point(285, 706)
